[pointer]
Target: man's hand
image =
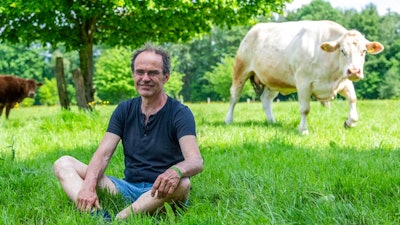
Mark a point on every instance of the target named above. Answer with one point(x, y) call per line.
point(165, 184)
point(87, 200)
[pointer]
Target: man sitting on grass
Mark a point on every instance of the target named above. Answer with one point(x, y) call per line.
point(158, 135)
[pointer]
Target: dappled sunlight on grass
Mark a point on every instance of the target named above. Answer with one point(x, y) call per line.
point(37, 130)
point(255, 172)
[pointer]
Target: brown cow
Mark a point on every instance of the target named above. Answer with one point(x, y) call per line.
point(15, 89)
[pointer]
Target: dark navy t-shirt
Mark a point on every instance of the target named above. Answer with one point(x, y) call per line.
point(151, 148)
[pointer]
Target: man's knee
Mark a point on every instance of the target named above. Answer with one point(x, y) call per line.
point(182, 192)
point(185, 184)
point(62, 163)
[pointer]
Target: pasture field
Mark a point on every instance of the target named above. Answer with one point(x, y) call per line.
point(254, 172)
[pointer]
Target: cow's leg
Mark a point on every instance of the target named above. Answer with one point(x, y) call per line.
point(1, 108)
point(8, 108)
point(267, 97)
point(326, 104)
point(304, 102)
point(349, 93)
point(236, 91)
point(239, 78)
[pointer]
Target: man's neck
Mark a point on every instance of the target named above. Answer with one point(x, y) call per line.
point(152, 105)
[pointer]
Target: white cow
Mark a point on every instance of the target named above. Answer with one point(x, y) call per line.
point(314, 58)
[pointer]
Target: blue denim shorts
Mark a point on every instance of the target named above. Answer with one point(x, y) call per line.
point(131, 191)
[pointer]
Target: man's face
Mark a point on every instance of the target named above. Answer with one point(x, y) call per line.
point(148, 76)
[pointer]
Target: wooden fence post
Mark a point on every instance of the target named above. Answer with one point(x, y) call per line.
point(61, 84)
point(79, 89)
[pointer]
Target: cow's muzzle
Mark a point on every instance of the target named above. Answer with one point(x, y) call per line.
point(354, 74)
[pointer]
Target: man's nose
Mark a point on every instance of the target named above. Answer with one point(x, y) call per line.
point(146, 76)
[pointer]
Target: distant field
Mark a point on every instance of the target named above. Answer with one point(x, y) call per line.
point(255, 172)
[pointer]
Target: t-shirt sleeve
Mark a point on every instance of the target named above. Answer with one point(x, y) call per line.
point(117, 121)
point(184, 122)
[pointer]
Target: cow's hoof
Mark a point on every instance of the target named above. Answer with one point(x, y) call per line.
point(348, 126)
point(304, 132)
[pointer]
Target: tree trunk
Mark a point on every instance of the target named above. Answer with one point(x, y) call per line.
point(79, 89)
point(86, 67)
point(61, 84)
point(86, 58)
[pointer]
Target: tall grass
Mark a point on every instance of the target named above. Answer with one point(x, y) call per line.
point(255, 172)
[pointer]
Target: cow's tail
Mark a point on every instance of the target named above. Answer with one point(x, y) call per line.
point(257, 85)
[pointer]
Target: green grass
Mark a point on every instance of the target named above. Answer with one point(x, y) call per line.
point(255, 172)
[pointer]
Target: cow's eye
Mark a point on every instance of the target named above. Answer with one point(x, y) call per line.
point(363, 52)
point(343, 52)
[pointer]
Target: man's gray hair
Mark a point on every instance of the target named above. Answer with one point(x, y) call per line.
point(148, 47)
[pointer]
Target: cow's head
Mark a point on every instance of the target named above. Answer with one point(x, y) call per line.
point(352, 47)
point(30, 88)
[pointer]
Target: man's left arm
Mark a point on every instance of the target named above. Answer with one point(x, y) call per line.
point(190, 166)
point(193, 162)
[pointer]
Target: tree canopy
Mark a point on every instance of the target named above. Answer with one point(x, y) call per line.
point(80, 24)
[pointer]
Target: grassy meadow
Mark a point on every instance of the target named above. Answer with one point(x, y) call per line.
point(255, 172)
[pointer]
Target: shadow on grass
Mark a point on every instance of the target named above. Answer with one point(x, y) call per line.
point(282, 127)
point(299, 185)
point(35, 192)
point(33, 189)
point(247, 123)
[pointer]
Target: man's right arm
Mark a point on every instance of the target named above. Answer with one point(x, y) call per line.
point(87, 197)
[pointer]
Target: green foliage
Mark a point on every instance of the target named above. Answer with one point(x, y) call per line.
point(71, 94)
point(48, 93)
point(390, 87)
point(199, 56)
point(113, 79)
point(27, 102)
point(367, 22)
point(316, 10)
point(220, 80)
point(174, 85)
point(22, 61)
point(374, 70)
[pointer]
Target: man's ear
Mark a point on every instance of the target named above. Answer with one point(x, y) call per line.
point(167, 77)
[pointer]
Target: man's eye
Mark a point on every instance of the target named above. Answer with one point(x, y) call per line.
point(153, 73)
point(140, 72)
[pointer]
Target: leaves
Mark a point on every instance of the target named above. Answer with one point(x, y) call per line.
point(80, 24)
point(220, 80)
point(117, 22)
point(114, 81)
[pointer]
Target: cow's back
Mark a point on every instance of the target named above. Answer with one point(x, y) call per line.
point(275, 52)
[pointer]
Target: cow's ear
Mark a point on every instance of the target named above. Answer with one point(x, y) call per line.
point(374, 47)
point(329, 46)
point(39, 84)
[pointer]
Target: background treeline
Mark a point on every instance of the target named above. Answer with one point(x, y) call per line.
point(203, 66)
